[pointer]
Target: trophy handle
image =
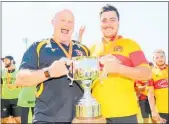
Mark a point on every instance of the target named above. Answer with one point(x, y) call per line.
point(71, 79)
point(68, 63)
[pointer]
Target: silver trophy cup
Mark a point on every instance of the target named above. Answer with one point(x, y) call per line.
point(85, 70)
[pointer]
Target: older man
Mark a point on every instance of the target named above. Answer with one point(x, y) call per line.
point(41, 66)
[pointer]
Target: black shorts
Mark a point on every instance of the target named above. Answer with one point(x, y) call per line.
point(126, 119)
point(25, 114)
point(9, 108)
point(145, 108)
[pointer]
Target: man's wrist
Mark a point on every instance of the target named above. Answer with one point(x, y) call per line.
point(153, 110)
point(46, 72)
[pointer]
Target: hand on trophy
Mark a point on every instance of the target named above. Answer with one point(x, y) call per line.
point(58, 69)
point(108, 58)
point(68, 63)
point(111, 64)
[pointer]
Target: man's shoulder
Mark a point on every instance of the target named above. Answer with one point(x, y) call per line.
point(128, 44)
point(97, 48)
point(80, 45)
point(126, 41)
point(40, 43)
point(76, 43)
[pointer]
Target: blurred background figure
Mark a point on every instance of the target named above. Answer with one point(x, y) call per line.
point(26, 98)
point(26, 101)
point(141, 91)
point(10, 112)
point(158, 88)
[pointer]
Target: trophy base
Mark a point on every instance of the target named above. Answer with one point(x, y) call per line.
point(85, 120)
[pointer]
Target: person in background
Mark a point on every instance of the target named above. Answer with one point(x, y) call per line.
point(141, 91)
point(10, 112)
point(158, 88)
point(26, 101)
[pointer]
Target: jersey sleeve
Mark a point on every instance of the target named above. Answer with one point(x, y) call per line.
point(30, 58)
point(136, 55)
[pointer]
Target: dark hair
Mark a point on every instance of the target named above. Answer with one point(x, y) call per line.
point(10, 58)
point(109, 7)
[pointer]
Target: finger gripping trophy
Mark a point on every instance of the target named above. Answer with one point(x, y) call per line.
point(85, 70)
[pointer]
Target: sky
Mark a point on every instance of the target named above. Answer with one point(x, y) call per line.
point(144, 22)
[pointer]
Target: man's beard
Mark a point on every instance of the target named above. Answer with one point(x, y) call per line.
point(8, 65)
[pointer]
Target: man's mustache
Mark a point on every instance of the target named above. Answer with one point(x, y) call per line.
point(108, 27)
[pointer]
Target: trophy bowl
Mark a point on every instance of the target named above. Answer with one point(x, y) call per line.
point(85, 68)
